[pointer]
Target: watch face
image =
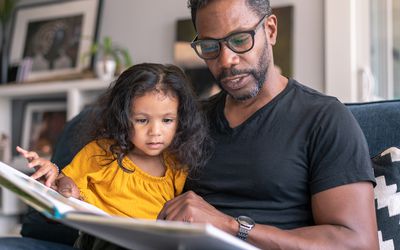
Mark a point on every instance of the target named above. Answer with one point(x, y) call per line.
point(246, 221)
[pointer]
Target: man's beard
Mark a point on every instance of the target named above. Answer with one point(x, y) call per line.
point(259, 74)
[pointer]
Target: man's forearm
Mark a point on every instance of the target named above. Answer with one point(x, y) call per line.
point(309, 238)
point(344, 218)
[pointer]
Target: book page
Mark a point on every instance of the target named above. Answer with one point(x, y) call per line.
point(84, 207)
point(41, 196)
point(156, 234)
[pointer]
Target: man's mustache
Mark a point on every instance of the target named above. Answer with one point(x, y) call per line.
point(233, 72)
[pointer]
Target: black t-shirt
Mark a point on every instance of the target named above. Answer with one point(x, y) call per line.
point(300, 143)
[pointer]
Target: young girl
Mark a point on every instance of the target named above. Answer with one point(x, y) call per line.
point(148, 134)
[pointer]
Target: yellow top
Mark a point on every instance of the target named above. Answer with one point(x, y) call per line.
point(104, 184)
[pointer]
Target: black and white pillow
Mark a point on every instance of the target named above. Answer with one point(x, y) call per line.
point(387, 197)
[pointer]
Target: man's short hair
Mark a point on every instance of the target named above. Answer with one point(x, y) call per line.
point(259, 7)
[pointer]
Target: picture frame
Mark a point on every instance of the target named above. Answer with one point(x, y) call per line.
point(284, 47)
point(42, 124)
point(55, 35)
point(195, 68)
point(184, 55)
point(5, 148)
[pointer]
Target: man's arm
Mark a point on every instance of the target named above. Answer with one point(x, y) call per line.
point(344, 216)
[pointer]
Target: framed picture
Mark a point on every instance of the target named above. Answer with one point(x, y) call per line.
point(43, 123)
point(54, 36)
point(5, 148)
point(184, 55)
point(283, 49)
point(195, 68)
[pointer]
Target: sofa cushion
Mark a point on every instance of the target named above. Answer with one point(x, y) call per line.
point(387, 197)
point(380, 122)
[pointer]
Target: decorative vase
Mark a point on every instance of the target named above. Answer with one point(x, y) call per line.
point(105, 69)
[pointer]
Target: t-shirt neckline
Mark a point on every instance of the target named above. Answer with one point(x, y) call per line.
point(279, 96)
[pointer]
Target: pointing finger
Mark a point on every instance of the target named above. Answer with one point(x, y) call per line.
point(29, 155)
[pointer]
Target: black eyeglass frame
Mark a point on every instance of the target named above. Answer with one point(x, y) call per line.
point(252, 33)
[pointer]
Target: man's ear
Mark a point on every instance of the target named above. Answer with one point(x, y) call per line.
point(271, 28)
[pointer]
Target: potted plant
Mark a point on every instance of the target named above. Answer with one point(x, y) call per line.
point(110, 58)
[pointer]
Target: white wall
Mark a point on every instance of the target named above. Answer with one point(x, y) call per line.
point(147, 29)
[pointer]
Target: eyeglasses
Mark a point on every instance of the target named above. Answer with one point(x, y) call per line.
point(239, 42)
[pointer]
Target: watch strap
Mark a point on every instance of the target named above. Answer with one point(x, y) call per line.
point(244, 227)
point(243, 232)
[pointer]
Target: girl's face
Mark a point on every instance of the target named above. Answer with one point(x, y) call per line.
point(155, 120)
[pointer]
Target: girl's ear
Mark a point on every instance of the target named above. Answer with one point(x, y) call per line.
point(271, 28)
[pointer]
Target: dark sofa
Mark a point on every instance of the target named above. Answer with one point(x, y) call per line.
point(380, 122)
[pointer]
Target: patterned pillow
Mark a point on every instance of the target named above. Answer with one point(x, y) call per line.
point(387, 197)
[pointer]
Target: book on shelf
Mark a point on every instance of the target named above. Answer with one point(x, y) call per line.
point(130, 233)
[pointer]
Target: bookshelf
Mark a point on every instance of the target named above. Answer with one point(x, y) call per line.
point(76, 93)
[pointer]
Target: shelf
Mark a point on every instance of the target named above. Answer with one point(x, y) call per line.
point(76, 93)
point(57, 87)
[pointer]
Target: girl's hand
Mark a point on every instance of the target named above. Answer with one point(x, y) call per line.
point(44, 168)
point(28, 155)
point(67, 187)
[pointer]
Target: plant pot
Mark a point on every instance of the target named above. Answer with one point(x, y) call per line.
point(105, 69)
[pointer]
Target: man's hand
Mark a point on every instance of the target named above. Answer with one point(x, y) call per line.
point(189, 207)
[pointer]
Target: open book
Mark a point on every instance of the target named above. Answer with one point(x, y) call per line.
point(127, 232)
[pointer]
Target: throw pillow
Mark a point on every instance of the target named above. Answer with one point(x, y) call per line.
point(387, 197)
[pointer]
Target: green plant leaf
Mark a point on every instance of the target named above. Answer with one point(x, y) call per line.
point(107, 49)
point(107, 45)
point(6, 9)
point(115, 56)
point(127, 58)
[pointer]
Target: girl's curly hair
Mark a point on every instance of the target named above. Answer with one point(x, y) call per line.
point(191, 145)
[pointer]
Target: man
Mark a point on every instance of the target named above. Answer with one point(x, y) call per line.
point(287, 157)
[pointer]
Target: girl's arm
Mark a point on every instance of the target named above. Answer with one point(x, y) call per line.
point(45, 169)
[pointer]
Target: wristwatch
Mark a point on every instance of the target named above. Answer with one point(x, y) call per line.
point(245, 225)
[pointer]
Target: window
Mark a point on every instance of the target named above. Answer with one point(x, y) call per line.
point(385, 48)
